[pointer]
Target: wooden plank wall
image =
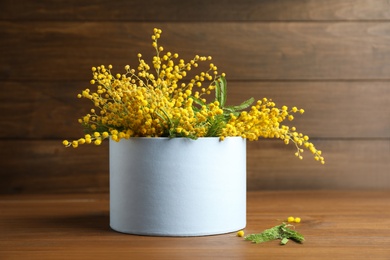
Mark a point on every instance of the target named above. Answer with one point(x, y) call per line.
point(330, 57)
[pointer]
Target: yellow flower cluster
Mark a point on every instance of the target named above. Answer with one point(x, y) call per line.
point(292, 219)
point(264, 120)
point(154, 101)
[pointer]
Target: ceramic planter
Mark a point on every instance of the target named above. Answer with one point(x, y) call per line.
point(178, 186)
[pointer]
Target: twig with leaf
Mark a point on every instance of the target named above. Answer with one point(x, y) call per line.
point(282, 232)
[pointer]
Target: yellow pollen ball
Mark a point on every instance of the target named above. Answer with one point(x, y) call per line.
point(240, 233)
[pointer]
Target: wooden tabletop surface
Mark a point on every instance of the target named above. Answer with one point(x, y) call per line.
point(336, 225)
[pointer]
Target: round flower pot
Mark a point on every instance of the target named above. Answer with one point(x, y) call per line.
point(178, 186)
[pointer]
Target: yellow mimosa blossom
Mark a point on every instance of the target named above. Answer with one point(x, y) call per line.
point(158, 100)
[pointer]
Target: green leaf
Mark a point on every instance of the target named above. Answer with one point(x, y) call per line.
point(221, 91)
point(215, 126)
point(284, 241)
point(198, 101)
point(217, 91)
point(240, 107)
point(292, 234)
point(166, 118)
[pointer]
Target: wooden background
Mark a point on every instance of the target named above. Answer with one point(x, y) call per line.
point(331, 58)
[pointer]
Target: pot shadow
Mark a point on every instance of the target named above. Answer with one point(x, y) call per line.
point(97, 222)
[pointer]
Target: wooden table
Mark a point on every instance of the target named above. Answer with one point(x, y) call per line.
point(336, 225)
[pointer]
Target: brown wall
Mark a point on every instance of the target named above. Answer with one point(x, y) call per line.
point(331, 58)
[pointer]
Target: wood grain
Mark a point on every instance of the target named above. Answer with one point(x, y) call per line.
point(44, 166)
point(354, 225)
point(194, 11)
point(245, 51)
point(330, 57)
point(350, 164)
point(47, 167)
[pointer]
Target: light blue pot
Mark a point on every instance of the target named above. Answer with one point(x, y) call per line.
point(178, 186)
